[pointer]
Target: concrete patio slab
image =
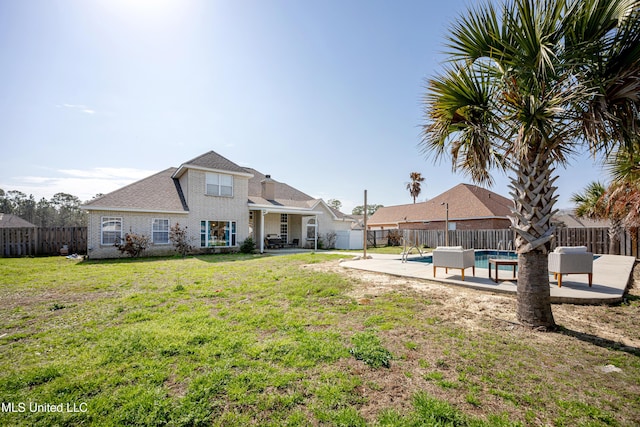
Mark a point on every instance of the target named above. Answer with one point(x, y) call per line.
point(611, 275)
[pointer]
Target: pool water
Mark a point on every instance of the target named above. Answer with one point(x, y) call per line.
point(482, 258)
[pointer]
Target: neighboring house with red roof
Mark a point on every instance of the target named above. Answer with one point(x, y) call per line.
point(13, 221)
point(470, 208)
point(220, 203)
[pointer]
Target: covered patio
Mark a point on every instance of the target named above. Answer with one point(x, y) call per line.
point(283, 227)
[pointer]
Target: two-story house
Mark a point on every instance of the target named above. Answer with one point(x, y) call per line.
point(219, 202)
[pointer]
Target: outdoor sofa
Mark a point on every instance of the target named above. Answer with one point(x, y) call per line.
point(571, 260)
point(453, 257)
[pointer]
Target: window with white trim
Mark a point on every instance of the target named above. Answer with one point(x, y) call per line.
point(160, 231)
point(219, 184)
point(217, 233)
point(110, 230)
point(311, 229)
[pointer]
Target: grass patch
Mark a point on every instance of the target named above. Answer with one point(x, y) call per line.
point(269, 341)
point(368, 348)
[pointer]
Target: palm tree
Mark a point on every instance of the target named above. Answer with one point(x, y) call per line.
point(624, 192)
point(414, 186)
point(591, 203)
point(595, 203)
point(525, 89)
point(624, 165)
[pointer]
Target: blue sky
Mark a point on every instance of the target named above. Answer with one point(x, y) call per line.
point(324, 95)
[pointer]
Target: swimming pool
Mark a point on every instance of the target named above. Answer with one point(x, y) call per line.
point(482, 258)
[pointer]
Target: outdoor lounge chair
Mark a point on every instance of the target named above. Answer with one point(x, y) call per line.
point(454, 257)
point(294, 243)
point(571, 260)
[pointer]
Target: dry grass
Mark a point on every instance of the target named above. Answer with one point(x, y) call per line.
point(466, 347)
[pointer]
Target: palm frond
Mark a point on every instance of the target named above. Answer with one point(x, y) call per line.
point(624, 165)
point(612, 116)
point(461, 117)
point(591, 203)
point(536, 31)
point(476, 34)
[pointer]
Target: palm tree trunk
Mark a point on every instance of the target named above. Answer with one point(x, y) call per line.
point(533, 194)
point(534, 298)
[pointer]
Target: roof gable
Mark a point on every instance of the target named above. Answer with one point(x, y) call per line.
point(337, 214)
point(212, 161)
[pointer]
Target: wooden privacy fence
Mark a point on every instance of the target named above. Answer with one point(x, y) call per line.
point(16, 242)
point(468, 239)
point(595, 239)
point(379, 237)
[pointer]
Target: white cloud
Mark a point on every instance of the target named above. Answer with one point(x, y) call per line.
point(78, 107)
point(83, 183)
point(107, 173)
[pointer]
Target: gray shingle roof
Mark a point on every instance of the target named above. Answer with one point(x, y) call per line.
point(159, 192)
point(571, 220)
point(162, 191)
point(283, 192)
point(13, 221)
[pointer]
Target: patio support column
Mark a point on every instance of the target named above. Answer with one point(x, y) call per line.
point(315, 240)
point(262, 214)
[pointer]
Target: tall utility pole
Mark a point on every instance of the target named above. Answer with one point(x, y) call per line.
point(364, 243)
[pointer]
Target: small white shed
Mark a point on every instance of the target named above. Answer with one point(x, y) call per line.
point(349, 239)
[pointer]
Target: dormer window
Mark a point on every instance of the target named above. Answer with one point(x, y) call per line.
point(219, 184)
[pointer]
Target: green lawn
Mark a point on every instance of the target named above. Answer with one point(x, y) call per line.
point(253, 340)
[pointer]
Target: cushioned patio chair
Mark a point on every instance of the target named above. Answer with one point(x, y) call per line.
point(571, 260)
point(454, 257)
point(294, 243)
